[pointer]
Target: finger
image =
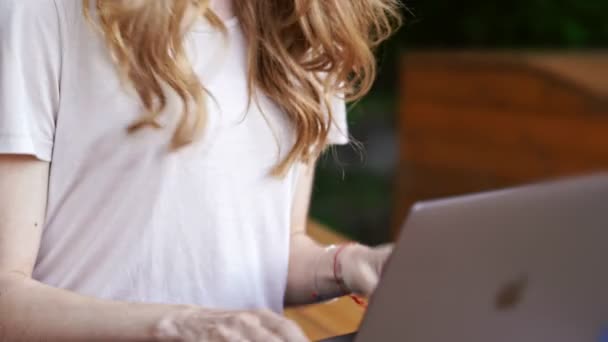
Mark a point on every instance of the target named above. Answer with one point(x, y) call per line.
point(223, 333)
point(381, 255)
point(283, 328)
point(367, 280)
point(261, 334)
point(386, 248)
point(247, 327)
point(167, 330)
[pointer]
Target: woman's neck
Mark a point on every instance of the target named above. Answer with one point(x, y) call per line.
point(223, 8)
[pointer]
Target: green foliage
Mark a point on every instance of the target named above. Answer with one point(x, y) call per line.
point(506, 24)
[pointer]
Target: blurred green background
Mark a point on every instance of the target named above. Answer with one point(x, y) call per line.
point(353, 186)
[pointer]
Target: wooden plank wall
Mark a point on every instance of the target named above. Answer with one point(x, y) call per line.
point(477, 121)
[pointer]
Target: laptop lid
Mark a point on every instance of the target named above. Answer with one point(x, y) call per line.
point(528, 264)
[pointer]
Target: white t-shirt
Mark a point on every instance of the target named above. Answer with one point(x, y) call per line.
point(127, 218)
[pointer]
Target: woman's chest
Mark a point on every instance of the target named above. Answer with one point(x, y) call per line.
point(98, 106)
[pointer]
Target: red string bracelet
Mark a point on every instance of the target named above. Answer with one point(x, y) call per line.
point(340, 281)
point(316, 296)
point(338, 271)
point(359, 301)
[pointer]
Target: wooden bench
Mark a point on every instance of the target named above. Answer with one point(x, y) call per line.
point(476, 121)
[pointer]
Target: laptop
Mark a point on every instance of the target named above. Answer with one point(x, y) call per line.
point(527, 264)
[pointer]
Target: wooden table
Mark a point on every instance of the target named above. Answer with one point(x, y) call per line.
point(338, 317)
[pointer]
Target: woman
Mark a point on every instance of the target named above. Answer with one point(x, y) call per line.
point(156, 161)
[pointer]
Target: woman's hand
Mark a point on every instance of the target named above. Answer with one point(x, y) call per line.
point(195, 325)
point(361, 267)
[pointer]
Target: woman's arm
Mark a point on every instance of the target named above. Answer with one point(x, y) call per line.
point(305, 253)
point(32, 311)
point(311, 266)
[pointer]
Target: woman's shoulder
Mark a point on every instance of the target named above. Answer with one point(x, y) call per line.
point(40, 8)
point(27, 9)
point(26, 22)
point(37, 13)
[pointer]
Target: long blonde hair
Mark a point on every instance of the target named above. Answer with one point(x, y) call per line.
point(301, 53)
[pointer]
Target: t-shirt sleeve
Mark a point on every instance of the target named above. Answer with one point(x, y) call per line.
point(338, 130)
point(30, 61)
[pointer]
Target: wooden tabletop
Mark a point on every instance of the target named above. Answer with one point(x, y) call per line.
point(338, 317)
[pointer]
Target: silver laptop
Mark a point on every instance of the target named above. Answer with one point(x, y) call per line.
point(528, 264)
